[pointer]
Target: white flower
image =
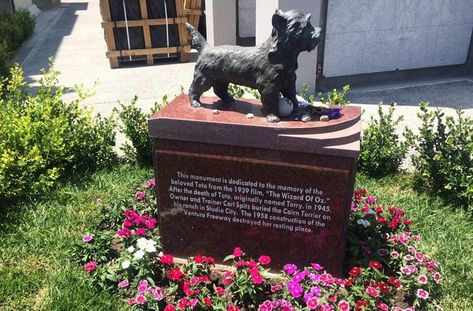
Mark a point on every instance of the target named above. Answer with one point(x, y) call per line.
point(141, 243)
point(130, 249)
point(150, 248)
point(139, 254)
point(125, 264)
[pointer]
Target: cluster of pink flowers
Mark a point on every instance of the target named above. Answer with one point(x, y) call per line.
point(145, 293)
point(90, 266)
point(135, 224)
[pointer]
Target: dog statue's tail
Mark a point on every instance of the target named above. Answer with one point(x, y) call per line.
point(198, 41)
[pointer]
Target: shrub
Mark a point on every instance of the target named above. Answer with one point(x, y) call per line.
point(335, 97)
point(135, 127)
point(382, 150)
point(15, 28)
point(444, 160)
point(42, 138)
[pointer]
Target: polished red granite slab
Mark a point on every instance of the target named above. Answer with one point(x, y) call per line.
point(278, 189)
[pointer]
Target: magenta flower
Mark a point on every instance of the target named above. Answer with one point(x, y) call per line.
point(90, 266)
point(140, 299)
point(344, 305)
point(316, 266)
point(87, 238)
point(290, 268)
point(140, 195)
point(123, 284)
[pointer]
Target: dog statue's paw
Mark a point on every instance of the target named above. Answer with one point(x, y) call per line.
point(271, 118)
point(195, 104)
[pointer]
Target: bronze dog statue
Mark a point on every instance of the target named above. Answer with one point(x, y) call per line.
point(270, 67)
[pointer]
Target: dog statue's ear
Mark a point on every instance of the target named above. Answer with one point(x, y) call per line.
point(307, 16)
point(279, 21)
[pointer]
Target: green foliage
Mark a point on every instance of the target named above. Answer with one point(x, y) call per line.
point(42, 138)
point(135, 127)
point(335, 97)
point(444, 162)
point(382, 150)
point(238, 91)
point(305, 93)
point(15, 28)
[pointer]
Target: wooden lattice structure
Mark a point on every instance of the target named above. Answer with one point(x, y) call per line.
point(193, 11)
point(141, 24)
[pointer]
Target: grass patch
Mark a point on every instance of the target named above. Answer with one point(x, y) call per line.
point(447, 233)
point(36, 237)
point(36, 272)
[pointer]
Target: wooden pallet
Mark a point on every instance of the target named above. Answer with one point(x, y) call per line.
point(193, 11)
point(149, 52)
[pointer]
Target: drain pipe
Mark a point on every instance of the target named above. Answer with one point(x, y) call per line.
point(12, 2)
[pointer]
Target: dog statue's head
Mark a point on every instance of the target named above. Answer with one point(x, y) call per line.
point(292, 30)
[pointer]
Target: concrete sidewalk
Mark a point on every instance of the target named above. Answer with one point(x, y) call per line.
point(72, 34)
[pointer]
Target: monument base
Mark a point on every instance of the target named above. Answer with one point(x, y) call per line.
point(278, 189)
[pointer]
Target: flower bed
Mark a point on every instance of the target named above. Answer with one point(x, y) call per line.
point(385, 267)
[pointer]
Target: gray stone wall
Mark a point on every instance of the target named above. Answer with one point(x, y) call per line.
point(366, 36)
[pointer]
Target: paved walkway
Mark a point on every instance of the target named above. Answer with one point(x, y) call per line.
point(73, 35)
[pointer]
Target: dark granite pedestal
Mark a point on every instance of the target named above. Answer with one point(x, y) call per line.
point(278, 189)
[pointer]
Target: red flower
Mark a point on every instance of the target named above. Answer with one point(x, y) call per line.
point(256, 278)
point(233, 308)
point(199, 259)
point(209, 260)
point(207, 301)
point(264, 260)
point(361, 305)
point(332, 298)
point(381, 220)
point(169, 308)
point(375, 265)
point(167, 259)
point(384, 287)
point(175, 274)
point(394, 282)
point(220, 291)
point(237, 252)
point(183, 303)
point(355, 271)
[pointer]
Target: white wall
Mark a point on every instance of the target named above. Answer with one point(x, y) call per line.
point(366, 36)
point(221, 21)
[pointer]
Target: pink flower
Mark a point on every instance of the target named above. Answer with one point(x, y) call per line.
point(132, 301)
point(140, 195)
point(422, 279)
point(419, 256)
point(140, 299)
point(90, 266)
point(437, 277)
point(150, 183)
point(87, 238)
point(237, 252)
point(125, 232)
point(167, 259)
point(313, 303)
point(140, 232)
point(275, 288)
point(383, 252)
point(423, 294)
point(256, 278)
point(382, 306)
point(142, 286)
point(344, 305)
point(169, 308)
point(373, 292)
point(123, 284)
point(394, 254)
point(264, 260)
